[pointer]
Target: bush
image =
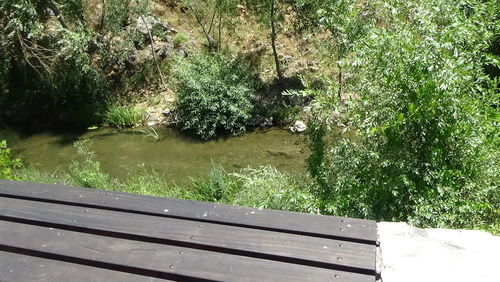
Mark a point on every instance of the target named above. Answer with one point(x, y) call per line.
point(7, 163)
point(88, 173)
point(127, 116)
point(424, 149)
point(215, 94)
point(119, 13)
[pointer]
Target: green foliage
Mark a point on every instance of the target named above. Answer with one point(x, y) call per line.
point(179, 39)
point(64, 70)
point(263, 187)
point(214, 95)
point(150, 182)
point(30, 174)
point(212, 16)
point(119, 13)
point(4, 73)
point(87, 173)
point(49, 60)
point(423, 148)
point(76, 80)
point(125, 116)
point(19, 18)
point(267, 188)
point(72, 10)
point(8, 164)
point(285, 114)
point(218, 186)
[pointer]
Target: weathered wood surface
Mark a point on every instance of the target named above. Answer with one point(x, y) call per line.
point(156, 259)
point(18, 267)
point(289, 222)
point(111, 233)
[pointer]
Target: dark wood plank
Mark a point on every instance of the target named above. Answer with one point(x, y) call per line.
point(356, 230)
point(299, 249)
point(23, 268)
point(168, 260)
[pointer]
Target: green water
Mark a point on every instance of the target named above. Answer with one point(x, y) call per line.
point(175, 155)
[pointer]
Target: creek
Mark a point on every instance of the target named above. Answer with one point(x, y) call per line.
point(175, 155)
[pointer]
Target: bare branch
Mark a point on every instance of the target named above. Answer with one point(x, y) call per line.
point(153, 51)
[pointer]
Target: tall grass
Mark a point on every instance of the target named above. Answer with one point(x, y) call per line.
point(125, 116)
point(266, 187)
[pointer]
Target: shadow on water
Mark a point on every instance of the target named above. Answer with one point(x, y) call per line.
point(175, 155)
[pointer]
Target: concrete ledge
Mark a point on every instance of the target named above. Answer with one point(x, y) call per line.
point(415, 254)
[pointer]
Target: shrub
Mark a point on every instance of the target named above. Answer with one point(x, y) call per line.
point(214, 95)
point(7, 163)
point(423, 149)
point(126, 116)
point(88, 173)
point(179, 39)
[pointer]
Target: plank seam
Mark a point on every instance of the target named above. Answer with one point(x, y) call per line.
point(198, 246)
point(102, 265)
point(281, 230)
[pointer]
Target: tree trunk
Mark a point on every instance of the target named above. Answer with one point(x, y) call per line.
point(210, 40)
point(220, 32)
point(340, 81)
point(103, 16)
point(273, 42)
point(57, 13)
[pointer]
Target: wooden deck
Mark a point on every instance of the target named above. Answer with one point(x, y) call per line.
point(59, 233)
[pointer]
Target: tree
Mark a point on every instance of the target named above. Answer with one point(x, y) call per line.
point(206, 13)
point(344, 21)
point(422, 142)
point(271, 14)
point(49, 58)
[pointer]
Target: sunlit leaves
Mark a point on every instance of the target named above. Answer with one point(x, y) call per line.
point(421, 116)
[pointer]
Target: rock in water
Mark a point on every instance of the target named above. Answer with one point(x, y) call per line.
point(298, 126)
